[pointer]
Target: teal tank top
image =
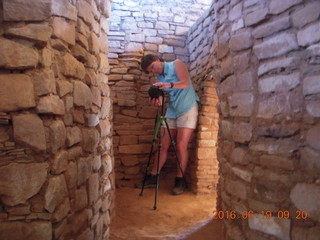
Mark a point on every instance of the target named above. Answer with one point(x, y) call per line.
point(180, 100)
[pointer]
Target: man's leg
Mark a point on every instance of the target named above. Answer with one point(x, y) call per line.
point(165, 141)
point(183, 138)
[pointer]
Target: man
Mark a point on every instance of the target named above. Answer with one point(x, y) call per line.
point(181, 114)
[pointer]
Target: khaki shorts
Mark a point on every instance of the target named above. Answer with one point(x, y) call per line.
point(187, 120)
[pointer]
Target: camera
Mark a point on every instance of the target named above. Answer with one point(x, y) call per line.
point(155, 92)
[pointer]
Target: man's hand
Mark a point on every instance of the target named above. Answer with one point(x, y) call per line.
point(156, 101)
point(162, 85)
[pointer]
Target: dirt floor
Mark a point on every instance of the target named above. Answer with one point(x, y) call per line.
point(186, 216)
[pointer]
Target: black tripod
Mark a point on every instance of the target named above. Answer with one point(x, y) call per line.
point(159, 121)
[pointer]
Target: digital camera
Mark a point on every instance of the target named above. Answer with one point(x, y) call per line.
point(155, 92)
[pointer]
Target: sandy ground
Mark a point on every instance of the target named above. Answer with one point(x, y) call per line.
point(186, 216)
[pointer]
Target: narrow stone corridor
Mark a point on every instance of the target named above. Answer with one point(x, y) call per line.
point(76, 124)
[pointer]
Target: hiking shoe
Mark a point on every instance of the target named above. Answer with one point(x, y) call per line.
point(179, 186)
point(151, 182)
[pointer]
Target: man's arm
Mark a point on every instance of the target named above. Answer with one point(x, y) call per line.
point(182, 74)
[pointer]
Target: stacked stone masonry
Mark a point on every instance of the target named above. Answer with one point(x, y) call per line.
point(139, 27)
point(56, 168)
point(264, 60)
point(204, 164)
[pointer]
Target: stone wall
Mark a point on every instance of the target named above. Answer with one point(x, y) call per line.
point(138, 27)
point(266, 65)
point(204, 164)
point(56, 168)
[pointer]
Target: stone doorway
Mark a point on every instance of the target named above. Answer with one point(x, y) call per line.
point(170, 30)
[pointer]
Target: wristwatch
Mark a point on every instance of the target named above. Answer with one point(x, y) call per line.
point(171, 85)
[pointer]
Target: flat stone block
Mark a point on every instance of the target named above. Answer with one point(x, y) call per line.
point(27, 231)
point(28, 130)
point(306, 198)
point(21, 10)
point(16, 92)
point(274, 226)
point(24, 57)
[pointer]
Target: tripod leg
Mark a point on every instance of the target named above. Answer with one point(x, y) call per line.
point(156, 129)
point(158, 166)
point(176, 152)
point(147, 168)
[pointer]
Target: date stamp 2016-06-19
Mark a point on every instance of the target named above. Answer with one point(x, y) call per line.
point(302, 215)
